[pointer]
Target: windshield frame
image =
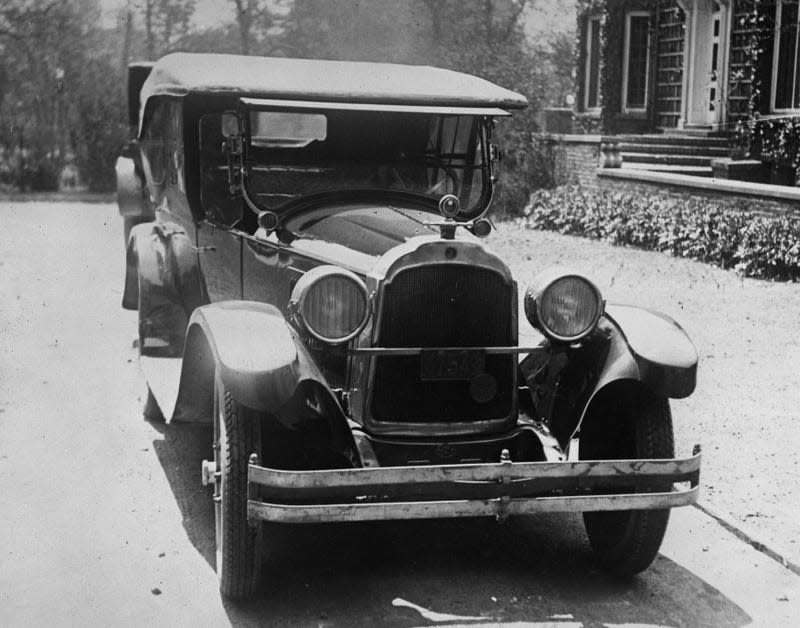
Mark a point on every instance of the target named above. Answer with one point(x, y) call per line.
point(481, 162)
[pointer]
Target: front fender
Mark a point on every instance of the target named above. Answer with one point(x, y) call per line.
point(630, 344)
point(265, 366)
point(665, 356)
point(253, 349)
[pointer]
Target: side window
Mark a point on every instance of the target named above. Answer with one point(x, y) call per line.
point(636, 64)
point(592, 69)
point(283, 129)
point(175, 145)
point(786, 54)
point(154, 159)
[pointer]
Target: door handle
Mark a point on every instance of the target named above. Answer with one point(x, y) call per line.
point(204, 249)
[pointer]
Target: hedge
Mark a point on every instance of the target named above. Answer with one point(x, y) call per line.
point(766, 247)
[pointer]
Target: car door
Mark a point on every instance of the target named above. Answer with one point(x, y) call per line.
point(219, 236)
point(219, 249)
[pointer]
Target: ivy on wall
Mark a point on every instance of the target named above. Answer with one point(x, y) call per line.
point(586, 122)
point(612, 57)
point(775, 139)
point(778, 141)
point(612, 37)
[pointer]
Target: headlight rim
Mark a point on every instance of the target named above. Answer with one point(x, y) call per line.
point(303, 288)
point(537, 289)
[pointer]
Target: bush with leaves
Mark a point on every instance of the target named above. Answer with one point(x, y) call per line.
point(766, 247)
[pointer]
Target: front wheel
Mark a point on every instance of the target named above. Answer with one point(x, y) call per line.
point(237, 435)
point(626, 542)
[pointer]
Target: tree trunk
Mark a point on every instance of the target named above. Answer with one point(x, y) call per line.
point(148, 28)
point(126, 42)
point(244, 19)
point(488, 18)
point(167, 31)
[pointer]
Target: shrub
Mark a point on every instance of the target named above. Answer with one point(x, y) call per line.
point(765, 247)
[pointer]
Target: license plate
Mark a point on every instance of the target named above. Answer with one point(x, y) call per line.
point(451, 364)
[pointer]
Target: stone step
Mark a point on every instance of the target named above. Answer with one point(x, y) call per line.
point(697, 131)
point(672, 160)
point(694, 171)
point(679, 140)
point(674, 149)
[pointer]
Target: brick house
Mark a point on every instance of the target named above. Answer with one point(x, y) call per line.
point(658, 65)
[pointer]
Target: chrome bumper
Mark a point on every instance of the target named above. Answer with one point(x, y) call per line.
point(474, 490)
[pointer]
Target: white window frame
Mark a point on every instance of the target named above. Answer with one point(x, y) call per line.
point(626, 63)
point(592, 22)
point(775, 50)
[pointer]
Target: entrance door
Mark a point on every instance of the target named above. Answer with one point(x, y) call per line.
point(714, 112)
point(706, 53)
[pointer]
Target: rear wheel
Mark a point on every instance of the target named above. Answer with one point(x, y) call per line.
point(626, 542)
point(237, 435)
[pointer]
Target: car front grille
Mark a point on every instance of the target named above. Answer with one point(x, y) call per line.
point(443, 305)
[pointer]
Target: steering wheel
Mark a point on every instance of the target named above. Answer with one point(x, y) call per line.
point(451, 177)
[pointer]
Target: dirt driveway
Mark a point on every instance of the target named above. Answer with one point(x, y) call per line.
point(104, 520)
point(746, 409)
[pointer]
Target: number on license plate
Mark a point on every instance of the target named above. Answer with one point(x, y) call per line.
point(452, 365)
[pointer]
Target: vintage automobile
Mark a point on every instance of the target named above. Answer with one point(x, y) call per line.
point(315, 285)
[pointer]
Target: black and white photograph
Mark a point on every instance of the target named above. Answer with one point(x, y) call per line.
point(343, 313)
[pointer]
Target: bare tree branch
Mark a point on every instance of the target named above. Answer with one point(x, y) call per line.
point(488, 19)
point(435, 7)
point(22, 15)
point(517, 7)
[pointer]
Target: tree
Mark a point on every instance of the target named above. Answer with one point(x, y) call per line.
point(166, 24)
point(63, 95)
point(481, 37)
point(37, 37)
point(499, 52)
point(379, 30)
point(560, 56)
point(257, 20)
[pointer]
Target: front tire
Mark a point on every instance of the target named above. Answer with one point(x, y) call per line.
point(237, 435)
point(626, 542)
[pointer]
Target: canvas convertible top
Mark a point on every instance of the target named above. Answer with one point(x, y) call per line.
point(180, 74)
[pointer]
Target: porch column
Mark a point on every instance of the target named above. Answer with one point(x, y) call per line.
point(688, 52)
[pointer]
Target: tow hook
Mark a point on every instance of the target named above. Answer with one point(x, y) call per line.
point(208, 472)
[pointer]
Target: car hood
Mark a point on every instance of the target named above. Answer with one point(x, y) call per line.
point(356, 236)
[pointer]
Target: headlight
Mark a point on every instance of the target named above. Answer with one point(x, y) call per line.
point(331, 304)
point(564, 307)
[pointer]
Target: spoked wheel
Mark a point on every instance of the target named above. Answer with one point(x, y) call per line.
point(237, 435)
point(626, 542)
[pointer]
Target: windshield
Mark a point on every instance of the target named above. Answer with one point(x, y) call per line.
point(294, 154)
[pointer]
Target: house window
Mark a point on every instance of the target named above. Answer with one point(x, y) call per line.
point(592, 83)
point(785, 80)
point(636, 63)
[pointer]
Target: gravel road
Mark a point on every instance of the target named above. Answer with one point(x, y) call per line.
point(104, 521)
point(746, 409)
